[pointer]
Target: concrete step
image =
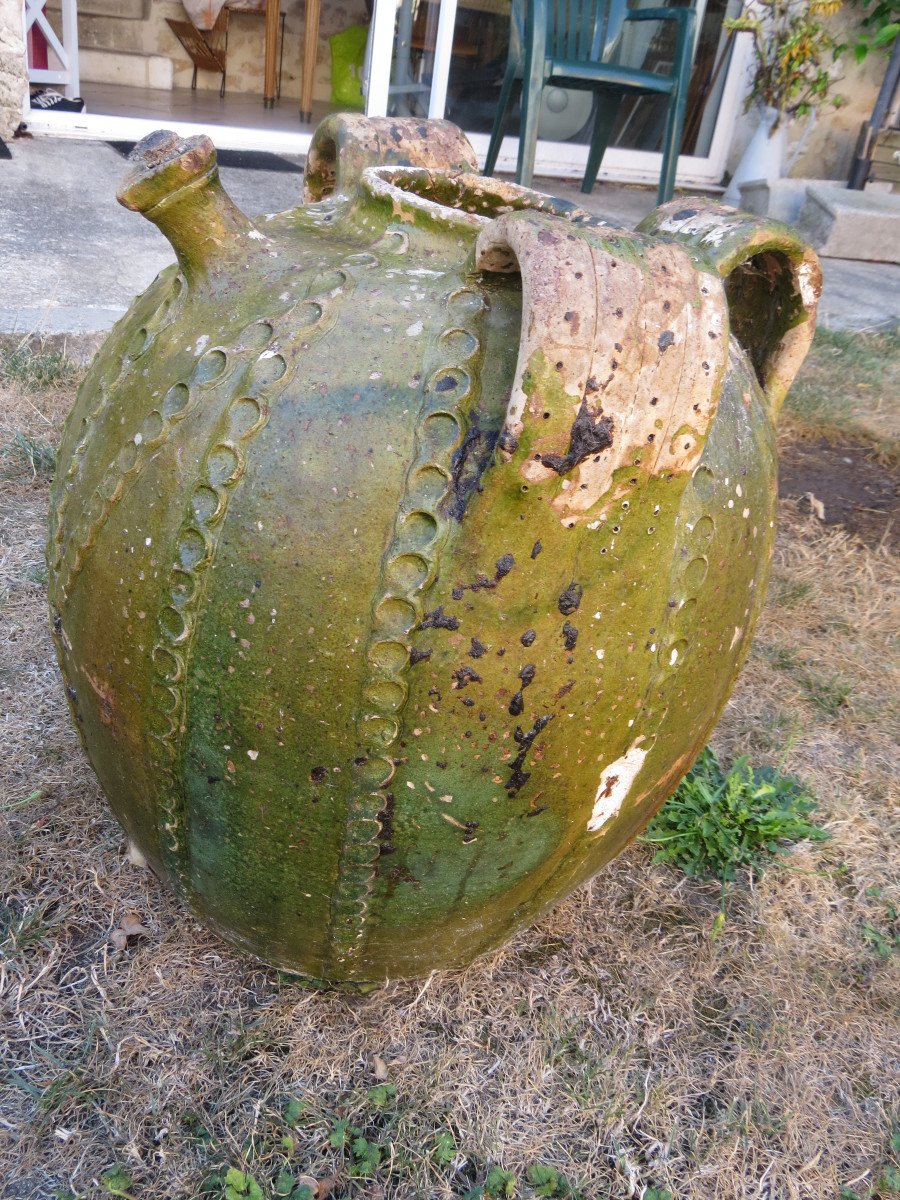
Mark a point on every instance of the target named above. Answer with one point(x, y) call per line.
point(781, 199)
point(844, 224)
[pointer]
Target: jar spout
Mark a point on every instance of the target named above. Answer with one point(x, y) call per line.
point(174, 182)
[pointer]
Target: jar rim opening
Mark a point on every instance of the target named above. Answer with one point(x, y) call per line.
point(463, 199)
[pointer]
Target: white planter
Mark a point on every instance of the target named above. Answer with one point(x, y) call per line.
point(764, 156)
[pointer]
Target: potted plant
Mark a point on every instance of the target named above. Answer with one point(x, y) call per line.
point(793, 51)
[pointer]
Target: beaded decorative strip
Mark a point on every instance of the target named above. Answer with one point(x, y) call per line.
point(142, 341)
point(409, 568)
point(216, 365)
point(222, 468)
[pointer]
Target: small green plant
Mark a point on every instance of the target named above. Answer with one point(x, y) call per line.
point(117, 1182)
point(499, 1184)
point(382, 1094)
point(883, 938)
point(782, 658)
point(287, 1188)
point(196, 1130)
point(240, 1186)
point(547, 1181)
point(720, 822)
point(365, 1156)
point(294, 1109)
point(340, 1134)
point(23, 928)
point(37, 574)
point(791, 592)
point(829, 693)
point(444, 1150)
point(39, 457)
point(885, 1186)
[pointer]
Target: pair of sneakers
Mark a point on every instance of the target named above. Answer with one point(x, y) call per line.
point(50, 101)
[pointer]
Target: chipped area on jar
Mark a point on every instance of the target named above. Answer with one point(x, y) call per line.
point(474, 205)
point(809, 283)
point(404, 204)
point(616, 781)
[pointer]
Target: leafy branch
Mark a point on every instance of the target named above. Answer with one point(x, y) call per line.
point(792, 44)
point(878, 28)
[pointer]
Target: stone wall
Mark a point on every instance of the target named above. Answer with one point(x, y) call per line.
point(13, 78)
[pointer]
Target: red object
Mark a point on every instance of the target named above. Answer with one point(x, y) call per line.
point(37, 49)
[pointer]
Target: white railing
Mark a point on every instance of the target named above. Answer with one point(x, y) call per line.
point(65, 51)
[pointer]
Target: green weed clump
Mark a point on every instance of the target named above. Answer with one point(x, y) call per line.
point(885, 1184)
point(720, 822)
point(40, 457)
point(35, 369)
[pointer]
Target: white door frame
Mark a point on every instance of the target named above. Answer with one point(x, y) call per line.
point(443, 48)
point(558, 159)
point(66, 50)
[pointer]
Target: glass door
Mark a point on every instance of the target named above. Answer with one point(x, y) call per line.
point(446, 58)
point(408, 58)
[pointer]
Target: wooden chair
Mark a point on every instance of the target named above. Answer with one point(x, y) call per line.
point(574, 44)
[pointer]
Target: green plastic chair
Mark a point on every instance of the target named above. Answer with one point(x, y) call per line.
point(573, 44)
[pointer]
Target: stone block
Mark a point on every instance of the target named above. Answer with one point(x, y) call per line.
point(106, 33)
point(132, 70)
point(859, 225)
point(121, 10)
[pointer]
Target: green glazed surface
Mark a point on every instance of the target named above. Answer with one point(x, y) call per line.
point(349, 682)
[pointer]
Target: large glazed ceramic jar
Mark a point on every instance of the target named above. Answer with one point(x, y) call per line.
point(405, 546)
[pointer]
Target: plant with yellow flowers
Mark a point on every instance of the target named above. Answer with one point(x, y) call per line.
point(793, 46)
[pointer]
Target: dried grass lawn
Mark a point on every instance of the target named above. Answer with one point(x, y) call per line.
point(617, 1041)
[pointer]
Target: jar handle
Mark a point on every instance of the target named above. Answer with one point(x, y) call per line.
point(772, 278)
point(622, 358)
